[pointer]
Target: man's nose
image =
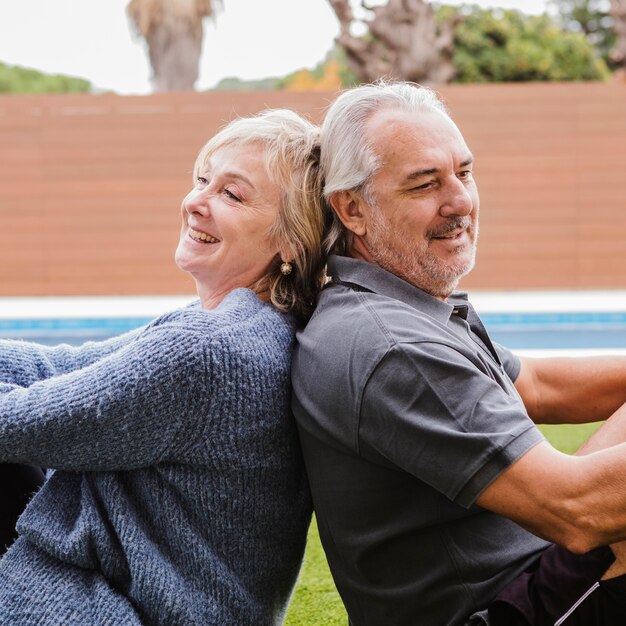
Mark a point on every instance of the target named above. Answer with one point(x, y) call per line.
point(458, 200)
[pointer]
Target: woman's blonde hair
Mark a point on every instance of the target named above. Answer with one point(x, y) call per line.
point(292, 158)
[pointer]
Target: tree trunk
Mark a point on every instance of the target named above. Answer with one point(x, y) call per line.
point(618, 54)
point(173, 32)
point(174, 56)
point(404, 42)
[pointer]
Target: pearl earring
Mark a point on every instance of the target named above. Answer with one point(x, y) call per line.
point(285, 268)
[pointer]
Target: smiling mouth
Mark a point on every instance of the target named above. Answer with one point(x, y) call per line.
point(451, 236)
point(197, 235)
point(454, 229)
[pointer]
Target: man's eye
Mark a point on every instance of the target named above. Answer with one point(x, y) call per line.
point(465, 174)
point(424, 186)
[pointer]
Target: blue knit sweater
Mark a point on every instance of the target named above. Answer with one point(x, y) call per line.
point(178, 495)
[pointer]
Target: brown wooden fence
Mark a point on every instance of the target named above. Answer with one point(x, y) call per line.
point(90, 186)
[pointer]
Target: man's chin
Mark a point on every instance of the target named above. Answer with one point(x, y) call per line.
point(443, 285)
point(442, 291)
point(463, 267)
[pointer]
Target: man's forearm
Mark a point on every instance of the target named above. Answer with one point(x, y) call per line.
point(572, 390)
point(581, 503)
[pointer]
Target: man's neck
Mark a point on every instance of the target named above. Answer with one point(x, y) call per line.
point(357, 249)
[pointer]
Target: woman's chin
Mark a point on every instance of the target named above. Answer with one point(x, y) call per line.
point(183, 262)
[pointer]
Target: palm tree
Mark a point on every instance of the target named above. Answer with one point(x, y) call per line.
point(173, 32)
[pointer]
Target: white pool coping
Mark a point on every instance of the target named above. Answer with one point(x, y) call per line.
point(86, 307)
point(46, 307)
point(548, 301)
point(558, 301)
point(140, 306)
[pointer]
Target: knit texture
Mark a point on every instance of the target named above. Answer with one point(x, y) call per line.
point(178, 494)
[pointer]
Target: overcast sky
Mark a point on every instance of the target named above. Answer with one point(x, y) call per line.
point(248, 39)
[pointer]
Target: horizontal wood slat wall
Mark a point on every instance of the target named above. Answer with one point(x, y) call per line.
point(90, 186)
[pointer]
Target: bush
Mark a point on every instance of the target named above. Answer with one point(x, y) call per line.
point(506, 45)
point(15, 79)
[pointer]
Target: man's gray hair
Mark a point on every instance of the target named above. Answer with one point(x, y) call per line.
point(347, 160)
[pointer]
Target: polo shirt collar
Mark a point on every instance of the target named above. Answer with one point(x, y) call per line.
point(380, 281)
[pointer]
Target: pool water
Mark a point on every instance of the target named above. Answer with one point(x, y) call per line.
point(75, 320)
point(557, 330)
point(74, 331)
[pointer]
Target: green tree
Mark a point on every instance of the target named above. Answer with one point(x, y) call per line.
point(506, 45)
point(490, 45)
point(15, 79)
point(335, 58)
point(593, 19)
point(334, 61)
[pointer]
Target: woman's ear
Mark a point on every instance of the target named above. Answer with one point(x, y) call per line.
point(348, 205)
point(286, 252)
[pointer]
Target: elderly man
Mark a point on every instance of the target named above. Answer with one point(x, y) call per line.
point(438, 500)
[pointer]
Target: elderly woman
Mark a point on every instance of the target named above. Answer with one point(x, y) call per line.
point(177, 495)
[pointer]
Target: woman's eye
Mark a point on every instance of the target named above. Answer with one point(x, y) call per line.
point(201, 181)
point(231, 195)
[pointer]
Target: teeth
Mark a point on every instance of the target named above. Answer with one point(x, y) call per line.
point(199, 236)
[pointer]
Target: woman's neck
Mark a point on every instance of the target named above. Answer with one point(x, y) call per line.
point(211, 299)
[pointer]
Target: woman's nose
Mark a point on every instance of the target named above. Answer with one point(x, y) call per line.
point(197, 202)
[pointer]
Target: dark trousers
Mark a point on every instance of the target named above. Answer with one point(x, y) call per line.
point(565, 589)
point(17, 485)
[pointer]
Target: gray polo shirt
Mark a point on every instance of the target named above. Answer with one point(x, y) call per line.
point(406, 413)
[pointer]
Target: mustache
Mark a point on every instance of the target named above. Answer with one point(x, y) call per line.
point(454, 223)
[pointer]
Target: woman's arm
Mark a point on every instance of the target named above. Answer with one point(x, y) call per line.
point(124, 411)
point(23, 363)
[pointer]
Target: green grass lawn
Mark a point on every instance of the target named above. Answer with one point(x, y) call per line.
point(316, 601)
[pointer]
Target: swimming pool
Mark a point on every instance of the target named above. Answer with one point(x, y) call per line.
point(573, 322)
point(523, 321)
point(533, 331)
point(75, 320)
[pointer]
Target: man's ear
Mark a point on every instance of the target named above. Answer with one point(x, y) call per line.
point(348, 205)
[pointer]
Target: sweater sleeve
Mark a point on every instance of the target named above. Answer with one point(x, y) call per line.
point(121, 412)
point(23, 363)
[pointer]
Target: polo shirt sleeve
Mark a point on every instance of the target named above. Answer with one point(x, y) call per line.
point(439, 415)
point(510, 361)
